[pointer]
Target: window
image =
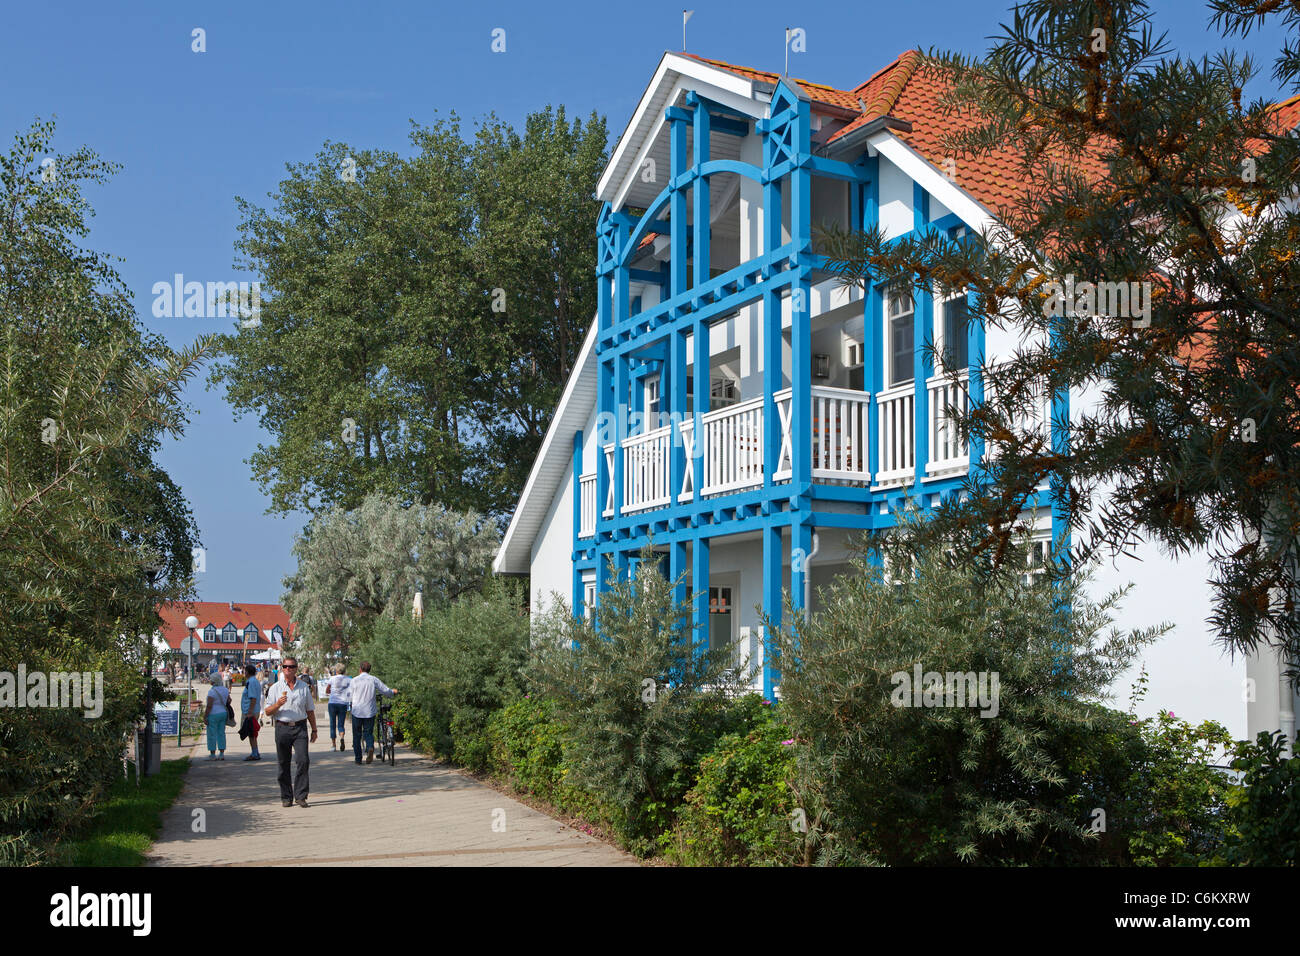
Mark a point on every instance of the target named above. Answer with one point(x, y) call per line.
point(229, 635)
point(277, 634)
point(588, 598)
point(1040, 551)
point(900, 326)
point(210, 633)
point(956, 319)
point(652, 399)
point(251, 634)
point(722, 392)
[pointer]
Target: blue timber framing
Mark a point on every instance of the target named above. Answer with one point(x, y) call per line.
point(671, 338)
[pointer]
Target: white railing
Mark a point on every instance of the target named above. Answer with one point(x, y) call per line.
point(897, 428)
point(587, 506)
point(784, 468)
point(948, 403)
point(839, 434)
point(645, 470)
point(733, 447)
point(608, 510)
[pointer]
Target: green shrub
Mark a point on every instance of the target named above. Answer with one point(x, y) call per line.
point(741, 809)
point(884, 780)
point(528, 747)
point(1264, 811)
point(640, 703)
point(1172, 811)
point(454, 669)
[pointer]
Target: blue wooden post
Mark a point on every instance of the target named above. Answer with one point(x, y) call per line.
point(621, 391)
point(700, 586)
point(773, 346)
point(923, 320)
point(677, 120)
point(677, 575)
point(800, 545)
point(701, 190)
point(674, 399)
point(701, 404)
point(872, 323)
point(772, 564)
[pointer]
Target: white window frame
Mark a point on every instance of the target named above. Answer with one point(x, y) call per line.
point(890, 296)
point(941, 327)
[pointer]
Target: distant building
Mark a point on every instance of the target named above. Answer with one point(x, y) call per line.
point(228, 632)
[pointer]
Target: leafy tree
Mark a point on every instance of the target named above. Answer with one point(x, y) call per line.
point(355, 567)
point(1147, 167)
point(93, 535)
point(386, 358)
point(1264, 812)
point(1010, 779)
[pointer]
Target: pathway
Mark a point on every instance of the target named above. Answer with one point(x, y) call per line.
point(414, 813)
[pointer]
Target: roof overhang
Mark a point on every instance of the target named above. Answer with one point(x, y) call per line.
point(674, 75)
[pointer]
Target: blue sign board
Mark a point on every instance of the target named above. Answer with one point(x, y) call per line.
point(167, 717)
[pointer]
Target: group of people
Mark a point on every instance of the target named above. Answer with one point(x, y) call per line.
point(291, 705)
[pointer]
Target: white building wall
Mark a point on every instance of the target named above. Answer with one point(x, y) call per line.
point(551, 568)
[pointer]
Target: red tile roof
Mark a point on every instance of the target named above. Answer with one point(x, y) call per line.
point(908, 90)
point(218, 614)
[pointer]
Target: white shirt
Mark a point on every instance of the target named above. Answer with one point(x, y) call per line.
point(298, 704)
point(219, 700)
point(364, 687)
point(338, 685)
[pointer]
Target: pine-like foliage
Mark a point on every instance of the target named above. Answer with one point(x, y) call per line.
point(1142, 166)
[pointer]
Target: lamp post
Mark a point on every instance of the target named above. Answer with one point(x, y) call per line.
point(191, 623)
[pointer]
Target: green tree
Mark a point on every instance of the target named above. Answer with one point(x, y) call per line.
point(355, 567)
point(93, 535)
point(1145, 166)
point(420, 315)
point(1010, 778)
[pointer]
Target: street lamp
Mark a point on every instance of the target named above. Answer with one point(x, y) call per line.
point(191, 623)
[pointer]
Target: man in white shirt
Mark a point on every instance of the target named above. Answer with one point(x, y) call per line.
point(364, 688)
point(293, 709)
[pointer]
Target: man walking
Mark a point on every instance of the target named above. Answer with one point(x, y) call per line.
point(364, 688)
point(252, 722)
point(292, 709)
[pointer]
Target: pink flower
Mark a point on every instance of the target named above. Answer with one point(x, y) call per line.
point(787, 743)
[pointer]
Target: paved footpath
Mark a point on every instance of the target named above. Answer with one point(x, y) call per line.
point(414, 813)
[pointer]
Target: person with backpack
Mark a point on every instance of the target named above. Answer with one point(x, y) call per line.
point(215, 714)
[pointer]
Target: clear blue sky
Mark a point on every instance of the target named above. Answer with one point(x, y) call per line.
point(278, 79)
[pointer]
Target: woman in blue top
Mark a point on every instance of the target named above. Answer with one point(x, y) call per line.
point(340, 697)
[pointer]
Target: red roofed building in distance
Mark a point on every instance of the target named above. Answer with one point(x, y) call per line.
point(228, 632)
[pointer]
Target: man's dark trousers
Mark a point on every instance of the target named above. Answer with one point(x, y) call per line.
point(362, 726)
point(291, 741)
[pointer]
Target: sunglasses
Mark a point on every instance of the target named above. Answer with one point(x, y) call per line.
point(290, 667)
